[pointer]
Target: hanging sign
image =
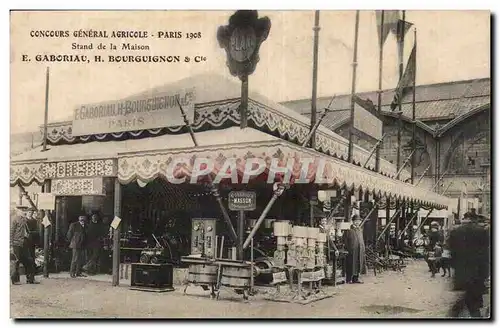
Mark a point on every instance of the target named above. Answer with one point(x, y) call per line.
point(116, 222)
point(46, 201)
point(242, 200)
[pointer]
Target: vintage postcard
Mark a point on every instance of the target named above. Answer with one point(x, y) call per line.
point(250, 164)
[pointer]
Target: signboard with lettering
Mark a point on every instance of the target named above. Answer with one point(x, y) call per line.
point(81, 169)
point(147, 111)
point(367, 123)
point(242, 201)
point(78, 187)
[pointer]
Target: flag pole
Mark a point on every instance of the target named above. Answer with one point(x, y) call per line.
point(414, 129)
point(316, 29)
point(401, 41)
point(414, 122)
point(380, 71)
point(353, 87)
point(46, 118)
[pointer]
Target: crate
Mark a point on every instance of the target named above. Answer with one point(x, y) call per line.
point(152, 277)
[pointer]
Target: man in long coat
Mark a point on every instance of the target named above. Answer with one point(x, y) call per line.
point(355, 245)
point(469, 246)
point(21, 244)
point(76, 237)
point(94, 244)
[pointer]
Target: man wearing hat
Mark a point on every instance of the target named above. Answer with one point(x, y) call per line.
point(434, 236)
point(77, 241)
point(21, 243)
point(355, 245)
point(469, 246)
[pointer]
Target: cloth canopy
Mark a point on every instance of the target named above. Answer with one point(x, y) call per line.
point(147, 159)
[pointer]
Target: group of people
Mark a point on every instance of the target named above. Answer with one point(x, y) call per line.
point(85, 240)
point(86, 243)
point(467, 251)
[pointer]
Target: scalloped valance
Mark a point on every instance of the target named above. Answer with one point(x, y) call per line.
point(223, 114)
point(145, 168)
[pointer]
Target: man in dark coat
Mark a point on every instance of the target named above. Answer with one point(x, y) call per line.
point(435, 236)
point(76, 237)
point(21, 244)
point(94, 245)
point(355, 245)
point(469, 246)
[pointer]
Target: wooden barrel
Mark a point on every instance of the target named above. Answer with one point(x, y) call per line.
point(264, 263)
point(236, 277)
point(202, 274)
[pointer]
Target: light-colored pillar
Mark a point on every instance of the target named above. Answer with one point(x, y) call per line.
point(46, 237)
point(116, 234)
